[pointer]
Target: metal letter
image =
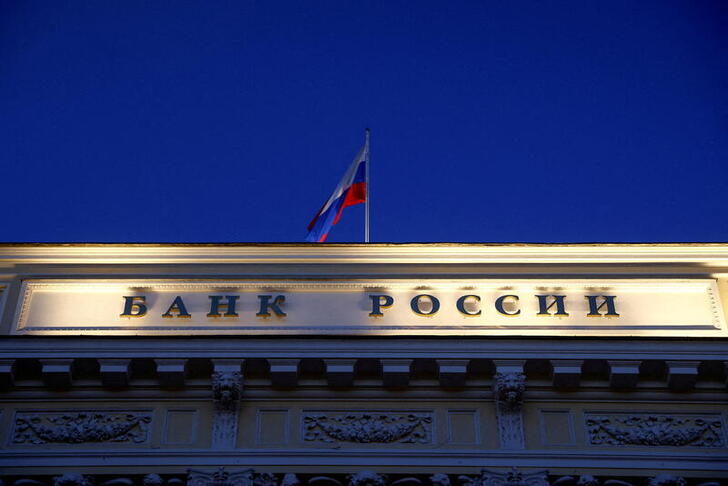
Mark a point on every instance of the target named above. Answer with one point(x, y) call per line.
point(265, 304)
point(378, 304)
point(461, 305)
point(499, 305)
point(134, 303)
point(177, 306)
point(594, 308)
point(229, 306)
point(415, 305)
point(543, 309)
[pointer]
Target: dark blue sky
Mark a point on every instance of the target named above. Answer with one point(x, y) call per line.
point(491, 121)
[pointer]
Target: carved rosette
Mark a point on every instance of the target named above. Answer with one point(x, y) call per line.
point(227, 388)
point(80, 427)
point(514, 477)
point(440, 480)
point(221, 477)
point(667, 480)
point(367, 478)
point(365, 428)
point(655, 430)
point(72, 479)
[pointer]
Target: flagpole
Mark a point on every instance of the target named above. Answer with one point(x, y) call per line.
point(366, 204)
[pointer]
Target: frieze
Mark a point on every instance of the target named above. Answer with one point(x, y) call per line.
point(368, 427)
point(677, 430)
point(250, 477)
point(78, 427)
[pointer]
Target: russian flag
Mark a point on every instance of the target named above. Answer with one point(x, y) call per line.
point(352, 189)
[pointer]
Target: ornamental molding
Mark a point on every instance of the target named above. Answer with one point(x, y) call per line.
point(77, 427)
point(221, 477)
point(72, 479)
point(514, 477)
point(247, 477)
point(381, 427)
point(716, 254)
point(366, 478)
point(250, 477)
point(650, 429)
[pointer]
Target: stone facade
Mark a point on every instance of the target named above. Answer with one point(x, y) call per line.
point(366, 410)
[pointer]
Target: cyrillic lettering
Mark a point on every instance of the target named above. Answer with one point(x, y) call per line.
point(544, 307)
point(134, 306)
point(594, 309)
point(415, 305)
point(229, 306)
point(380, 302)
point(499, 305)
point(266, 305)
point(461, 305)
point(178, 307)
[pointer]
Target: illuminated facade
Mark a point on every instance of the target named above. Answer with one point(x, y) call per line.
point(363, 365)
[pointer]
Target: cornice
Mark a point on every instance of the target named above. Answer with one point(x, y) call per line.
point(702, 254)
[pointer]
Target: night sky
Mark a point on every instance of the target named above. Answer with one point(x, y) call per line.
point(207, 121)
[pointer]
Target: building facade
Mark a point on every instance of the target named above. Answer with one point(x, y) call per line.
point(363, 365)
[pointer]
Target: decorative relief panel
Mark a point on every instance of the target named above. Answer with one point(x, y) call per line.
point(676, 430)
point(382, 427)
point(76, 427)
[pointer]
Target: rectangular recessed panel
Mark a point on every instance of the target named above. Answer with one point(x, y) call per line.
point(466, 307)
point(655, 429)
point(272, 427)
point(364, 427)
point(557, 428)
point(180, 427)
point(81, 427)
point(463, 427)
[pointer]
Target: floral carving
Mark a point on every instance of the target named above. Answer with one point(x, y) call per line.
point(221, 477)
point(655, 430)
point(72, 479)
point(152, 480)
point(667, 480)
point(514, 477)
point(440, 480)
point(366, 428)
point(367, 478)
point(76, 428)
